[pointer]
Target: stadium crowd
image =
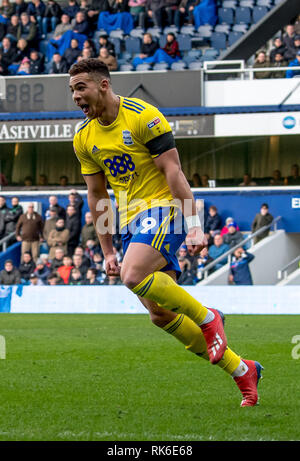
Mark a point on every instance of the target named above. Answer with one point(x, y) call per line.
point(57, 250)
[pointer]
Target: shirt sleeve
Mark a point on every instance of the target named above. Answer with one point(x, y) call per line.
point(155, 131)
point(88, 165)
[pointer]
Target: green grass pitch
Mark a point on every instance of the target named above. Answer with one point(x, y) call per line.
point(117, 377)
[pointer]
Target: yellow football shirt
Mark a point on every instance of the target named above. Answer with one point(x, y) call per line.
point(120, 151)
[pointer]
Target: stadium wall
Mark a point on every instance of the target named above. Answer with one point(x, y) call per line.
point(117, 300)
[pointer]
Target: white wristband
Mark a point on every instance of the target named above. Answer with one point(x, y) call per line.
point(193, 221)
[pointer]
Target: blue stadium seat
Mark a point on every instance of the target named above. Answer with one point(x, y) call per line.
point(43, 46)
point(133, 45)
point(117, 44)
point(240, 28)
point(179, 65)
point(243, 15)
point(247, 3)
point(205, 31)
point(143, 67)
point(172, 29)
point(184, 42)
point(196, 54)
point(189, 59)
point(225, 28)
point(155, 32)
point(259, 12)
point(207, 58)
point(99, 33)
point(117, 33)
point(267, 3)
point(187, 30)
point(234, 37)
point(161, 66)
point(218, 40)
point(195, 65)
point(210, 53)
point(127, 56)
point(137, 32)
point(229, 4)
point(226, 15)
point(126, 67)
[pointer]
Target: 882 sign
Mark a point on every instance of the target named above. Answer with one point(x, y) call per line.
point(29, 95)
point(119, 164)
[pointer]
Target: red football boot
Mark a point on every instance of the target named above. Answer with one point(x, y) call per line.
point(215, 337)
point(249, 382)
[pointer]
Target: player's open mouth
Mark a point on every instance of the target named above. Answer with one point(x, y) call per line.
point(85, 108)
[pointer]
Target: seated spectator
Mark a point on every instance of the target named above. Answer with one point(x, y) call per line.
point(43, 180)
point(92, 247)
point(50, 223)
point(91, 277)
point(24, 67)
point(105, 43)
point(279, 47)
point(8, 53)
point(9, 275)
point(85, 54)
point(71, 9)
point(261, 61)
point(22, 51)
point(12, 216)
point(278, 62)
point(63, 181)
point(288, 38)
point(28, 181)
point(227, 222)
point(233, 236)
point(218, 249)
point(13, 28)
point(20, 7)
point(291, 52)
point(171, 47)
point(276, 179)
point(239, 267)
point(295, 63)
point(247, 181)
point(263, 218)
point(71, 54)
point(78, 264)
point(137, 8)
point(294, 179)
point(186, 277)
point(97, 262)
point(45, 258)
point(62, 27)
point(27, 267)
point(57, 261)
point(85, 259)
point(196, 180)
point(155, 9)
point(202, 261)
point(81, 25)
point(88, 231)
point(76, 277)
point(27, 30)
point(7, 9)
point(89, 44)
point(204, 180)
point(59, 65)
point(54, 279)
point(36, 63)
point(65, 270)
point(51, 17)
point(213, 223)
point(148, 48)
point(108, 59)
point(34, 281)
point(58, 237)
point(42, 271)
point(4, 210)
point(36, 10)
point(112, 280)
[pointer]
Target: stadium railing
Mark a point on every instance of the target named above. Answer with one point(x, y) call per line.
point(228, 253)
point(283, 272)
point(5, 240)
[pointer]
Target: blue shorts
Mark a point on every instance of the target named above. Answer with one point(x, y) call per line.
point(163, 229)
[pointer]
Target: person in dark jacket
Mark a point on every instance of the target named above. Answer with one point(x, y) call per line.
point(72, 53)
point(74, 225)
point(12, 28)
point(88, 231)
point(8, 52)
point(9, 275)
point(71, 9)
point(4, 210)
point(58, 65)
point(279, 47)
point(239, 268)
point(27, 30)
point(81, 25)
point(51, 17)
point(42, 271)
point(118, 6)
point(76, 201)
point(279, 62)
point(11, 218)
point(233, 236)
point(155, 10)
point(36, 63)
point(27, 267)
point(97, 7)
point(91, 277)
point(187, 277)
point(20, 7)
point(213, 223)
point(105, 43)
point(291, 52)
point(263, 218)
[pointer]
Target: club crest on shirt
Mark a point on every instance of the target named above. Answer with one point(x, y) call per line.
point(153, 122)
point(127, 138)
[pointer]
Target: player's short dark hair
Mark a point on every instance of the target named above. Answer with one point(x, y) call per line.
point(90, 66)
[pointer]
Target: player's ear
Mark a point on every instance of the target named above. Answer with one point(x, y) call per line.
point(104, 84)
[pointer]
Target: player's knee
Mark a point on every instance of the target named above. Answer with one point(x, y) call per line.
point(130, 278)
point(160, 319)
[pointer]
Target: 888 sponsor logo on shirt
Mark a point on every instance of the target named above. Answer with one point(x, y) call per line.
point(120, 164)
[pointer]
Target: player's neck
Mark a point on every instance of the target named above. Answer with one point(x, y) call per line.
point(111, 110)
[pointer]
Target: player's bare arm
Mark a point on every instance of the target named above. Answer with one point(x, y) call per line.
point(169, 164)
point(97, 192)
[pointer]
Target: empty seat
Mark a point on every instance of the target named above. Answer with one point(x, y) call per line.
point(267, 3)
point(229, 4)
point(226, 15)
point(154, 31)
point(172, 29)
point(210, 53)
point(205, 31)
point(184, 42)
point(259, 12)
point(117, 44)
point(137, 32)
point(243, 15)
point(195, 54)
point(218, 40)
point(196, 65)
point(234, 37)
point(143, 67)
point(225, 28)
point(126, 68)
point(117, 33)
point(187, 30)
point(247, 3)
point(161, 66)
point(240, 28)
point(179, 65)
point(133, 45)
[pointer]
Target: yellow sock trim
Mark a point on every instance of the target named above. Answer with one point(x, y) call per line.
point(229, 362)
point(162, 289)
